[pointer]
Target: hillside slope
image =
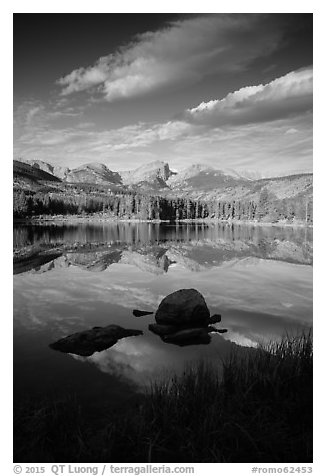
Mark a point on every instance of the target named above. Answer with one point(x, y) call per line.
point(55, 170)
point(22, 170)
point(281, 187)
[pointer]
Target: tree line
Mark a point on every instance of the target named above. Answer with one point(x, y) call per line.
point(141, 206)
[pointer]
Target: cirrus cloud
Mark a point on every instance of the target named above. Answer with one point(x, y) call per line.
point(266, 124)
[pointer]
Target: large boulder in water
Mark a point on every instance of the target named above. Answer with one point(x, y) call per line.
point(186, 306)
point(87, 342)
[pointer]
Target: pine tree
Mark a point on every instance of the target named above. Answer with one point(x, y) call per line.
point(262, 208)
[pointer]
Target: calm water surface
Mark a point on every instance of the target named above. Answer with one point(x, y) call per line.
point(258, 278)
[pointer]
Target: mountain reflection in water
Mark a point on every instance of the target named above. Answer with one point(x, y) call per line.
point(155, 248)
point(258, 278)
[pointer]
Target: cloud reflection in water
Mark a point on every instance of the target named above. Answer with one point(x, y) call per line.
point(259, 280)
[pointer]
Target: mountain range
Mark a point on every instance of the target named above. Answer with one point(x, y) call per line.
point(198, 181)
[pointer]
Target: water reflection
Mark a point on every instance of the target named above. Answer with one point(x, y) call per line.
point(137, 359)
point(258, 278)
point(145, 233)
point(156, 248)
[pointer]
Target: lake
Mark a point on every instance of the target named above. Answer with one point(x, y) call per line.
point(259, 278)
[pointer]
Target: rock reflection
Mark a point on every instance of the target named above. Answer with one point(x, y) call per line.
point(244, 274)
point(141, 360)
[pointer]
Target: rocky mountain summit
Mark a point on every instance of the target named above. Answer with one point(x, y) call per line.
point(197, 182)
point(93, 173)
point(155, 173)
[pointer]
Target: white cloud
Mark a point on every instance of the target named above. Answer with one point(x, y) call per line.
point(264, 146)
point(136, 136)
point(260, 127)
point(32, 113)
point(291, 131)
point(184, 51)
point(261, 146)
point(285, 96)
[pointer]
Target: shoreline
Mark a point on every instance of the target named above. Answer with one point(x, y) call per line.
point(104, 219)
point(264, 390)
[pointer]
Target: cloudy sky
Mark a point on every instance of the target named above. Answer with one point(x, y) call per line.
point(229, 91)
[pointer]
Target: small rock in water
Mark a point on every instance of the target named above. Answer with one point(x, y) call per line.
point(215, 318)
point(87, 342)
point(138, 313)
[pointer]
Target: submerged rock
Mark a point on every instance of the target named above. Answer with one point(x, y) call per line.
point(85, 343)
point(163, 329)
point(186, 306)
point(138, 313)
point(199, 335)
